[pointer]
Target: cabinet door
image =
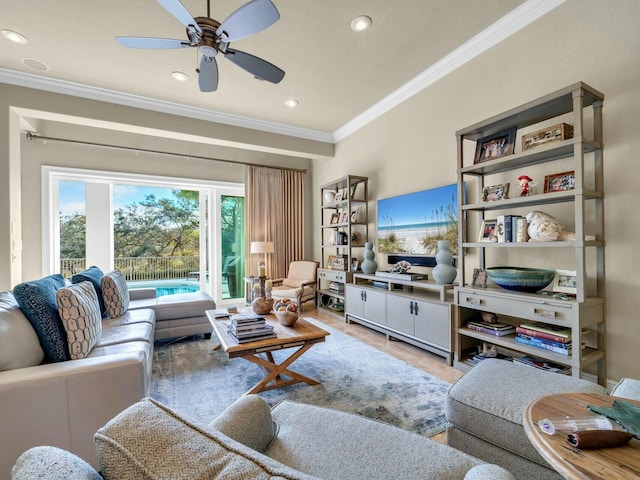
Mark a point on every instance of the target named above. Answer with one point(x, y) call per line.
point(374, 306)
point(400, 314)
point(433, 323)
point(354, 300)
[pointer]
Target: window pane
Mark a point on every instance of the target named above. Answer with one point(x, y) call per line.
point(73, 227)
point(232, 230)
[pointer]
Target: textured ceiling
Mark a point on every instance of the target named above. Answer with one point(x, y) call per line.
point(335, 73)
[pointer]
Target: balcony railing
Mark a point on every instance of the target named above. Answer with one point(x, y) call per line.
point(140, 268)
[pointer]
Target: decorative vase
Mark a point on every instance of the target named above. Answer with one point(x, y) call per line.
point(369, 265)
point(262, 306)
point(444, 271)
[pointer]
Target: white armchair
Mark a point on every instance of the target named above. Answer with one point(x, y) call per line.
point(299, 284)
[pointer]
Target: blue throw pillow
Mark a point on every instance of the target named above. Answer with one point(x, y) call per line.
point(94, 275)
point(38, 302)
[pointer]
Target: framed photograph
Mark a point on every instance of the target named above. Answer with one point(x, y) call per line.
point(337, 262)
point(354, 264)
point(339, 196)
point(352, 191)
point(345, 217)
point(354, 216)
point(335, 217)
point(559, 182)
point(488, 231)
point(565, 281)
point(495, 192)
point(479, 278)
point(495, 146)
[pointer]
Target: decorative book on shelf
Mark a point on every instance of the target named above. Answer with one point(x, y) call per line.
point(497, 329)
point(555, 347)
point(545, 331)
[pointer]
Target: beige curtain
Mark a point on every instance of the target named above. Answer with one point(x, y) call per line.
point(274, 212)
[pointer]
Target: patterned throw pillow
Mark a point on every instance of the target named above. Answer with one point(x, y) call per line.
point(94, 275)
point(37, 300)
point(80, 313)
point(115, 293)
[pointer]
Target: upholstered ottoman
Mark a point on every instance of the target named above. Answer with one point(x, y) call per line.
point(485, 406)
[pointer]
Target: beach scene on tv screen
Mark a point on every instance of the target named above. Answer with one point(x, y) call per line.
point(413, 223)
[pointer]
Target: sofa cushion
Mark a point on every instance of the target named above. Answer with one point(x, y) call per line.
point(52, 463)
point(134, 332)
point(80, 313)
point(248, 421)
point(37, 300)
point(19, 344)
point(178, 305)
point(149, 441)
point(94, 275)
point(489, 400)
point(325, 443)
point(115, 293)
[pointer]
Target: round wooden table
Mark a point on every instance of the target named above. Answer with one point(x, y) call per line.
point(571, 462)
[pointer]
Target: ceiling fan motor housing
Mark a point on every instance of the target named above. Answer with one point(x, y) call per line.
point(209, 43)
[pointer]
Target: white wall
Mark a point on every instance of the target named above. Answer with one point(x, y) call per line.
point(413, 147)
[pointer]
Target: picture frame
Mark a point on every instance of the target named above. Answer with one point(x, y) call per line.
point(495, 146)
point(337, 262)
point(488, 231)
point(560, 182)
point(354, 216)
point(495, 192)
point(339, 196)
point(345, 217)
point(352, 191)
point(354, 264)
point(335, 218)
point(479, 278)
point(565, 281)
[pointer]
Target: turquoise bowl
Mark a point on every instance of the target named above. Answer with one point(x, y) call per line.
point(521, 279)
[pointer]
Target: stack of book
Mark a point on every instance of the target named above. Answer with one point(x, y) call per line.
point(497, 329)
point(476, 359)
point(554, 338)
point(511, 228)
point(250, 328)
point(543, 364)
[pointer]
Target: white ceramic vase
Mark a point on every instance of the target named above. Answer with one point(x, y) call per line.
point(444, 271)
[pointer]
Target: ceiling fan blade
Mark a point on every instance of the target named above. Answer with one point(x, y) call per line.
point(208, 74)
point(175, 8)
point(256, 66)
point(144, 42)
point(251, 18)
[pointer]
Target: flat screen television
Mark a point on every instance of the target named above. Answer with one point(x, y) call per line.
point(411, 224)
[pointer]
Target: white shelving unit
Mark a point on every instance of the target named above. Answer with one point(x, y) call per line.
point(344, 237)
point(580, 105)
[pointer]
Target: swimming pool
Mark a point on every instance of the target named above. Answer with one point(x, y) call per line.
point(167, 287)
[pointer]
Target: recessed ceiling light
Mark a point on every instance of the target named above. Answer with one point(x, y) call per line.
point(35, 64)
point(180, 76)
point(360, 23)
point(14, 37)
point(292, 103)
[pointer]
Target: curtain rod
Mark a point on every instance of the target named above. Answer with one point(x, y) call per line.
point(35, 136)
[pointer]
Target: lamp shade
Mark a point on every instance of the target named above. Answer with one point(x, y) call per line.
point(261, 247)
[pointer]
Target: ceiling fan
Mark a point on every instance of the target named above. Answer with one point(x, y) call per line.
point(212, 37)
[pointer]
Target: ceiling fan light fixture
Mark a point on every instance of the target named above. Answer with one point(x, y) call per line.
point(291, 102)
point(14, 37)
point(180, 76)
point(361, 23)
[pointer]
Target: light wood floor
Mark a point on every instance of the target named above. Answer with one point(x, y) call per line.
point(426, 361)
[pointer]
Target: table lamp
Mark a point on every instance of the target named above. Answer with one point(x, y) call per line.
point(263, 248)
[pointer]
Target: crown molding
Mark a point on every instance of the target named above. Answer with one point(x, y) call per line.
point(511, 23)
point(65, 87)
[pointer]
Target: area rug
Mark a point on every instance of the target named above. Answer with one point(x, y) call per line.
point(199, 382)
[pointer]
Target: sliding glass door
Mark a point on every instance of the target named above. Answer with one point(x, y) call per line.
point(158, 232)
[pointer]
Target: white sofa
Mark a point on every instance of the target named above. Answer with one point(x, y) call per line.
point(63, 403)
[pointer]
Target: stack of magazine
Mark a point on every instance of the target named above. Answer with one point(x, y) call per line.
point(496, 329)
point(250, 328)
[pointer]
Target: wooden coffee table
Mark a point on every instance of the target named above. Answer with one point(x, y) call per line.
point(571, 462)
point(301, 337)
